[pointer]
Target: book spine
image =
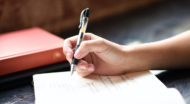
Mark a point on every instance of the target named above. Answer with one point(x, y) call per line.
point(29, 61)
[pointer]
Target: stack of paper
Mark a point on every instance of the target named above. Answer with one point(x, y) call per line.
point(131, 88)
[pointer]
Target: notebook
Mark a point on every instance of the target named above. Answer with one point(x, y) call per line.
point(130, 88)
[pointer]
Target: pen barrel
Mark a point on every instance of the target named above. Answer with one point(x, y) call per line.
point(74, 60)
point(80, 38)
point(76, 47)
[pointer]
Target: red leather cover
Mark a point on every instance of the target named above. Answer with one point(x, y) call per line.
point(29, 48)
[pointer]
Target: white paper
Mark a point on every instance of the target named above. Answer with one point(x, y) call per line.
point(132, 88)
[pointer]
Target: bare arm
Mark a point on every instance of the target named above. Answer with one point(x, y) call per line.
point(170, 53)
point(101, 56)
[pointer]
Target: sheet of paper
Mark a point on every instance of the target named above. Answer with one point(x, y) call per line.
point(61, 87)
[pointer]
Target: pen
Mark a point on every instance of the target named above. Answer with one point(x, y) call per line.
point(83, 25)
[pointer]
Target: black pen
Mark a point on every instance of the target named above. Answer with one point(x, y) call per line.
point(83, 25)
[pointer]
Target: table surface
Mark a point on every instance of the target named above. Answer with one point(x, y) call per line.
point(148, 24)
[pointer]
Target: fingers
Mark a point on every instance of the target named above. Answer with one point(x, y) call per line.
point(84, 69)
point(70, 43)
point(68, 47)
point(97, 46)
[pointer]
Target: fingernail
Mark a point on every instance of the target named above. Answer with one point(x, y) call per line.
point(83, 68)
point(90, 68)
point(77, 54)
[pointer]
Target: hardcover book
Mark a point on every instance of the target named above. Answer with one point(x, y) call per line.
point(29, 48)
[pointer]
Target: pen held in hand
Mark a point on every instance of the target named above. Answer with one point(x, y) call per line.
point(83, 25)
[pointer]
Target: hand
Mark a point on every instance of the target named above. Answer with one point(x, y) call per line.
point(101, 56)
point(96, 55)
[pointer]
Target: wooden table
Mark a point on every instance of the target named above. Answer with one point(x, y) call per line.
point(147, 24)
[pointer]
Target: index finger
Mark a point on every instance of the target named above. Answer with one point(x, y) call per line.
point(68, 47)
point(69, 44)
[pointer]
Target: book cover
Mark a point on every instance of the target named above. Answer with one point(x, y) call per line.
point(29, 48)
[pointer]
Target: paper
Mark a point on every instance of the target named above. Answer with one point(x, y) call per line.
point(61, 87)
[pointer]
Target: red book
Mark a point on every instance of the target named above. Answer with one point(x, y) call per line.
point(29, 48)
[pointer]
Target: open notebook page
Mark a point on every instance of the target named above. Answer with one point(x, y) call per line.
point(132, 88)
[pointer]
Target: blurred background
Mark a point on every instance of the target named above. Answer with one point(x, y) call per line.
point(121, 21)
point(59, 15)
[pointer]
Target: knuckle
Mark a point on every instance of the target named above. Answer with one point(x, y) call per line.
point(85, 44)
point(101, 42)
point(64, 50)
point(65, 43)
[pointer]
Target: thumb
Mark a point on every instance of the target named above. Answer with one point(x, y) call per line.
point(97, 46)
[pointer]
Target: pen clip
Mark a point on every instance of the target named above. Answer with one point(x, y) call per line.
point(81, 19)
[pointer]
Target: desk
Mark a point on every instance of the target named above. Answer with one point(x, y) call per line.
point(179, 79)
point(148, 24)
point(24, 94)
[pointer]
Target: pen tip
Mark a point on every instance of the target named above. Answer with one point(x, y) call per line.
point(72, 69)
point(71, 73)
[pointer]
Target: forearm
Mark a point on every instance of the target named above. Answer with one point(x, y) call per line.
point(170, 53)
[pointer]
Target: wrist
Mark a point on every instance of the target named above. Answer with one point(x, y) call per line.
point(139, 57)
